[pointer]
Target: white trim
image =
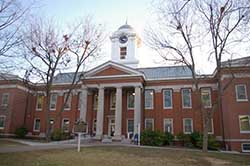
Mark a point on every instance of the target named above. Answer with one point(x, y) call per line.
point(237, 140)
point(243, 132)
point(8, 99)
point(236, 75)
point(236, 92)
point(111, 76)
point(210, 96)
point(177, 88)
point(114, 85)
point(116, 66)
point(171, 95)
point(242, 147)
point(182, 99)
point(149, 119)
point(36, 130)
point(11, 86)
point(192, 128)
point(212, 126)
point(172, 124)
point(130, 108)
point(66, 131)
point(152, 101)
point(4, 121)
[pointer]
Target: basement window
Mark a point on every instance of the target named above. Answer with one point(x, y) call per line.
point(245, 147)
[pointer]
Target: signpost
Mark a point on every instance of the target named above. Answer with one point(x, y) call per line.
point(81, 127)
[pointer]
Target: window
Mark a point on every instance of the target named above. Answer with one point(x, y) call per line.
point(188, 125)
point(53, 99)
point(244, 123)
point(149, 124)
point(167, 99)
point(211, 126)
point(206, 98)
point(168, 125)
point(68, 103)
point(123, 52)
point(65, 125)
point(186, 98)
point(94, 126)
point(95, 103)
point(241, 92)
point(5, 99)
point(149, 97)
point(245, 147)
point(2, 122)
point(130, 100)
point(112, 100)
point(39, 102)
point(130, 126)
point(37, 124)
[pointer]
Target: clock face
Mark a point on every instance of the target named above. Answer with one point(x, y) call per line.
point(123, 39)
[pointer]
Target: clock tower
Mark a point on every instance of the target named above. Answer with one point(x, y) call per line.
point(124, 46)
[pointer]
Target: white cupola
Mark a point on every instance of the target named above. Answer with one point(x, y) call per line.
point(124, 46)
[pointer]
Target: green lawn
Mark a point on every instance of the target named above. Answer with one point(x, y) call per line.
point(119, 156)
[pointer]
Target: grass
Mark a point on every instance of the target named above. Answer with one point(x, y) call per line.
point(120, 156)
point(8, 143)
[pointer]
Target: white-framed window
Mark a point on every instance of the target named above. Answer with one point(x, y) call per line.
point(95, 102)
point(206, 97)
point(130, 100)
point(168, 125)
point(65, 125)
point(2, 122)
point(187, 125)
point(149, 124)
point(245, 147)
point(241, 92)
point(112, 100)
point(211, 126)
point(123, 52)
point(68, 103)
point(5, 99)
point(186, 98)
point(37, 124)
point(53, 100)
point(39, 102)
point(167, 99)
point(244, 121)
point(94, 126)
point(149, 99)
point(130, 125)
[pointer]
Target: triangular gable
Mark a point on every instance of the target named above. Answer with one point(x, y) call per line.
point(112, 69)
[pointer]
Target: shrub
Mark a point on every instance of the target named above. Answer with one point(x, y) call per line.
point(195, 138)
point(212, 143)
point(185, 139)
point(152, 138)
point(168, 138)
point(58, 135)
point(21, 132)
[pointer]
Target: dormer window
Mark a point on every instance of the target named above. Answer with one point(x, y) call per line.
point(123, 52)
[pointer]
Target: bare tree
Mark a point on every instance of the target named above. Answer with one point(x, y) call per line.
point(49, 51)
point(12, 14)
point(180, 31)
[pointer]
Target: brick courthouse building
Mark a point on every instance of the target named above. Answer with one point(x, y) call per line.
point(116, 96)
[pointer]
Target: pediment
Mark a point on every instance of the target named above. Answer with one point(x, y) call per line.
point(112, 69)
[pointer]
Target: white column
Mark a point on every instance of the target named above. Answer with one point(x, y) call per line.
point(100, 113)
point(118, 113)
point(83, 104)
point(137, 111)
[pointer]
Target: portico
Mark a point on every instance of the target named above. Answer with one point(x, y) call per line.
point(114, 117)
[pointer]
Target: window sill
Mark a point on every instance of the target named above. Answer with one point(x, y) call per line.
point(242, 100)
point(244, 132)
point(1, 128)
point(52, 110)
point(187, 132)
point(36, 130)
point(148, 108)
point(130, 109)
point(38, 110)
point(167, 108)
point(187, 108)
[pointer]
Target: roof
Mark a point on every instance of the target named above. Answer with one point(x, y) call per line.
point(6, 76)
point(240, 62)
point(167, 72)
point(157, 73)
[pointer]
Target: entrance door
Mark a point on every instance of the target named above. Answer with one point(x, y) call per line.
point(111, 130)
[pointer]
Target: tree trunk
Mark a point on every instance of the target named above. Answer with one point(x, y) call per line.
point(47, 124)
point(205, 130)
